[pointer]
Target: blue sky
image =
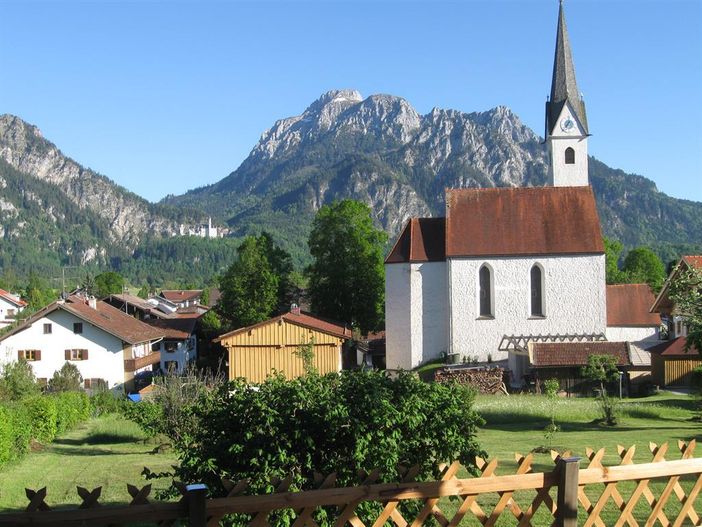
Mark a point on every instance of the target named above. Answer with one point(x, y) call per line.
point(167, 96)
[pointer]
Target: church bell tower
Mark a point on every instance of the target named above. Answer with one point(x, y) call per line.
point(566, 121)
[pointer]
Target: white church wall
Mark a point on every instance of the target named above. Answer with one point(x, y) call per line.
point(105, 357)
point(416, 313)
point(644, 337)
point(574, 301)
point(397, 316)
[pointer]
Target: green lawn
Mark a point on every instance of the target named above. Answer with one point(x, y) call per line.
point(106, 451)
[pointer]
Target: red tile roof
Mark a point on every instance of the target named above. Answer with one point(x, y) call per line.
point(104, 316)
point(694, 261)
point(522, 221)
point(179, 328)
point(12, 298)
point(422, 240)
point(303, 319)
point(629, 304)
point(572, 354)
point(181, 295)
point(674, 348)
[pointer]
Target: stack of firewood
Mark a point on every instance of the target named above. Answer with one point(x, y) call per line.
point(484, 380)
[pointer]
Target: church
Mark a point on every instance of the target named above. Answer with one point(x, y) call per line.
point(506, 267)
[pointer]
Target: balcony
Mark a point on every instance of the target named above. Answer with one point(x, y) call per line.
point(141, 362)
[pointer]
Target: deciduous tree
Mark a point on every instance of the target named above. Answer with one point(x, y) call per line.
point(686, 293)
point(346, 277)
point(644, 266)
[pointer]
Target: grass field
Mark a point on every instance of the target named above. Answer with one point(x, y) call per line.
point(107, 451)
point(111, 452)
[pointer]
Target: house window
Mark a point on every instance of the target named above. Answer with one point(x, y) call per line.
point(569, 156)
point(485, 285)
point(171, 346)
point(10, 313)
point(678, 328)
point(29, 355)
point(77, 327)
point(76, 354)
point(47, 329)
point(537, 302)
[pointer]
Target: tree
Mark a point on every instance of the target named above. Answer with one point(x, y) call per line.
point(281, 264)
point(686, 294)
point(603, 369)
point(37, 293)
point(613, 251)
point(67, 379)
point(346, 277)
point(17, 381)
point(108, 283)
point(643, 265)
point(250, 286)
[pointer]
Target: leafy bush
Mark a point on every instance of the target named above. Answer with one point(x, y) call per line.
point(106, 402)
point(334, 423)
point(147, 414)
point(6, 437)
point(72, 408)
point(66, 379)
point(21, 429)
point(17, 381)
point(43, 416)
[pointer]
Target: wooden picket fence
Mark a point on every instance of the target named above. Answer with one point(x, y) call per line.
point(566, 496)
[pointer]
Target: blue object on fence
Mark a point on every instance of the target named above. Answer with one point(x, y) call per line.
point(134, 397)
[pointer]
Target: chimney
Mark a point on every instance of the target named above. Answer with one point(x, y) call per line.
point(294, 309)
point(92, 302)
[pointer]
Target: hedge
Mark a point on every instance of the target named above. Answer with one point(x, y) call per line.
point(39, 418)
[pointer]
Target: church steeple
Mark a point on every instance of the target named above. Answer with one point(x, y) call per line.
point(566, 120)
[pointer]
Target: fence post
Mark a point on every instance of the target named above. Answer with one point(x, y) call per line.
point(567, 512)
point(195, 498)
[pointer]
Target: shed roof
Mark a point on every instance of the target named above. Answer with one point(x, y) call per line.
point(574, 354)
point(674, 348)
point(629, 304)
point(522, 221)
point(304, 319)
point(422, 240)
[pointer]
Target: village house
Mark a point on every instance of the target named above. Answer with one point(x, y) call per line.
point(178, 348)
point(256, 351)
point(10, 306)
point(505, 266)
point(108, 346)
point(671, 365)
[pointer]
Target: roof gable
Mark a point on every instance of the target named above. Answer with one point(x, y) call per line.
point(302, 319)
point(422, 240)
point(12, 299)
point(522, 221)
point(662, 303)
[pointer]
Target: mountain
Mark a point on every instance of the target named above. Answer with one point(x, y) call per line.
point(125, 218)
point(381, 151)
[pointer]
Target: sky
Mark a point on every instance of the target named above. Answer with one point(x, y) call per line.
point(165, 96)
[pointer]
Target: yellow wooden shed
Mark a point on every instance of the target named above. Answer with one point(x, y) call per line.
point(256, 351)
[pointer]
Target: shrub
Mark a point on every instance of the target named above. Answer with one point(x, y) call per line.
point(343, 423)
point(72, 408)
point(43, 416)
point(66, 379)
point(6, 436)
point(21, 429)
point(104, 402)
point(17, 381)
point(147, 414)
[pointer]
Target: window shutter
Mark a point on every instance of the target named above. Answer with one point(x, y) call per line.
point(86, 383)
point(68, 354)
point(37, 354)
point(83, 354)
point(20, 354)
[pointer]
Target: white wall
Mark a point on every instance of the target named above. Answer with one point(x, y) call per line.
point(574, 301)
point(560, 174)
point(644, 337)
point(6, 307)
point(184, 353)
point(415, 313)
point(105, 356)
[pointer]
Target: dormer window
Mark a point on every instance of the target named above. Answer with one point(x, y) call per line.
point(569, 156)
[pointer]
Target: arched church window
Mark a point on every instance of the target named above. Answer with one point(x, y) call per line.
point(569, 156)
point(485, 282)
point(537, 301)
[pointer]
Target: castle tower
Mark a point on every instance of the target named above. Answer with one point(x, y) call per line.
point(566, 120)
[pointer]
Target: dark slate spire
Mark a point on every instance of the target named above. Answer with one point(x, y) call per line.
point(564, 88)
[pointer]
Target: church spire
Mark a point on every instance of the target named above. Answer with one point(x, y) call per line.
point(564, 88)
